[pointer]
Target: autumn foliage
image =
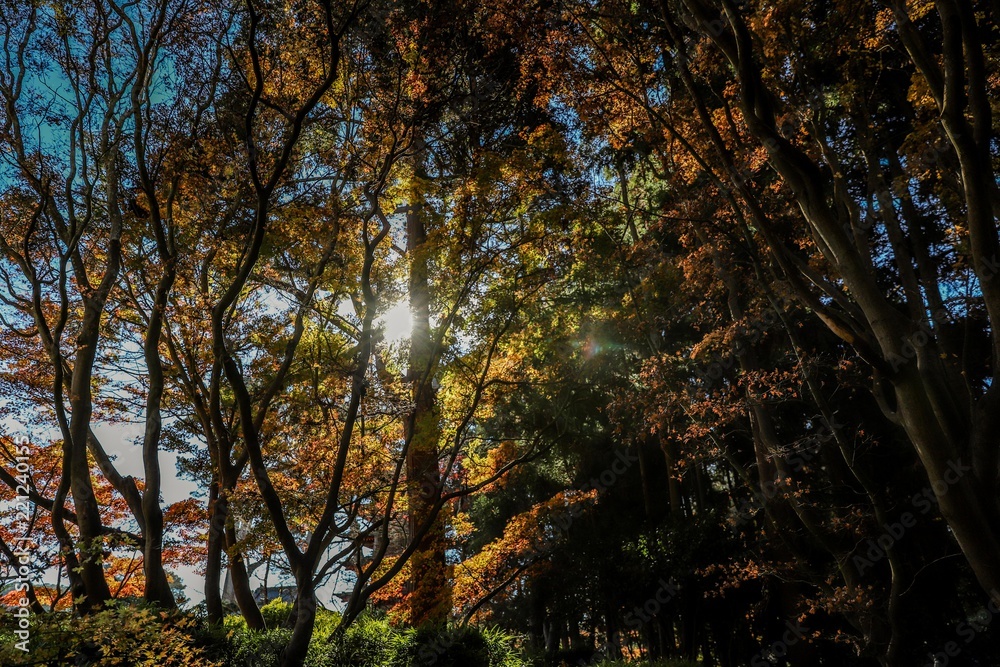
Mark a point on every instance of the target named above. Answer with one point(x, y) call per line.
point(699, 364)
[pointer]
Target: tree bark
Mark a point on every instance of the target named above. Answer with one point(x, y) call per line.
point(951, 442)
point(294, 653)
point(238, 572)
point(429, 599)
point(213, 566)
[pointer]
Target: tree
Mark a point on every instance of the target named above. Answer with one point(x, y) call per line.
point(72, 203)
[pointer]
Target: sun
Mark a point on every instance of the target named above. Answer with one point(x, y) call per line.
point(397, 323)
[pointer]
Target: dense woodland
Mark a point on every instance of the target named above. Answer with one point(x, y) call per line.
point(703, 299)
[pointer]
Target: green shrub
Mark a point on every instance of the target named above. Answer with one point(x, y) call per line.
point(142, 636)
point(235, 645)
point(276, 613)
point(457, 647)
point(372, 642)
point(133, 635)
point(445, 647)
point(259, 649)
point(369, 642)
point(503, 652)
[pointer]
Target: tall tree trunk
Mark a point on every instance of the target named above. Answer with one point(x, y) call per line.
point(644, 475)
point(430, 599)
point(157, 589)
point(294, 653)
point(213, 567)
point(673, 484)
point(238, 572)
point(84, 502)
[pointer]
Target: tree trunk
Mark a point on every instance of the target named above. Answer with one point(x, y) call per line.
point(157, 589)
point(213, 567)
point(644, 475)
point(238, 573)
point(673, 484)
point(294, 653)
point(84, 502)
point(430, 599)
